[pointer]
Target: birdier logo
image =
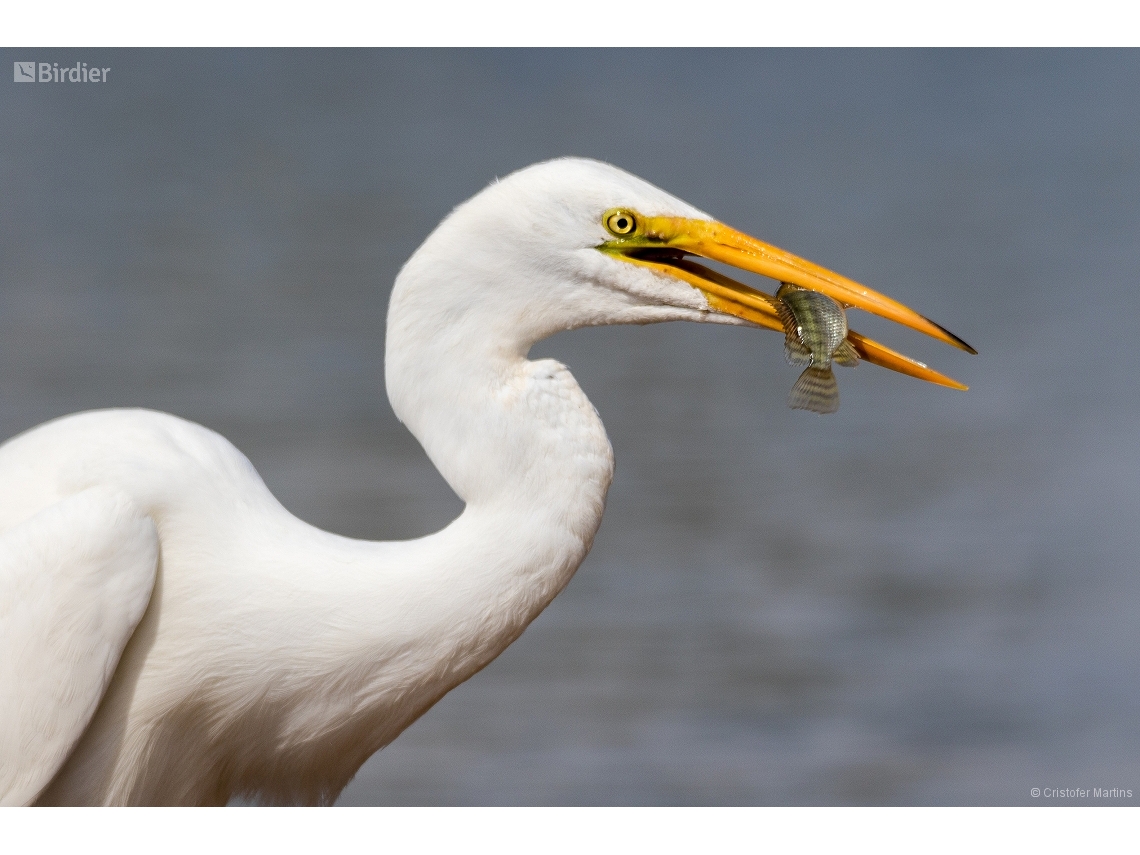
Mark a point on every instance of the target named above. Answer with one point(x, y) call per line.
point(50, 72)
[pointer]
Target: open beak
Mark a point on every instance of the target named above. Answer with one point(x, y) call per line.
point(664, 244)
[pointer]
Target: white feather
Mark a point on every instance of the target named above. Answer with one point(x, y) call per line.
point(74, 581)
point(275, 658)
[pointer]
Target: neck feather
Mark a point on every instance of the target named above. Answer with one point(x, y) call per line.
point(521, 444)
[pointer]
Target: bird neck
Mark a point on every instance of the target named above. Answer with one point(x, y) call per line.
point(521, 444)
point(502, 430)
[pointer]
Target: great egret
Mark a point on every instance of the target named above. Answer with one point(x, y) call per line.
point(172, 635)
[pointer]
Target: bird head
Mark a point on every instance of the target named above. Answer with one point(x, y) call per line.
point(575, 242)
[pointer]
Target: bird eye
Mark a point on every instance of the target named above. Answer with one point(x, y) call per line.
point(620, 222)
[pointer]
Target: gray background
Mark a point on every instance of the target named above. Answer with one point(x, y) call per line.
point(930, 597)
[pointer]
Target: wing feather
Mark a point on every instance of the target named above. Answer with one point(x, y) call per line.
point(75, 580)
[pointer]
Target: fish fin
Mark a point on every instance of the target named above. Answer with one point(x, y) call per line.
point(816, 390)
point(845, 354)
point(788, 319)
point(795, 352)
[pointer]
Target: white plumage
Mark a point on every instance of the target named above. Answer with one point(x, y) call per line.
point(170, 634)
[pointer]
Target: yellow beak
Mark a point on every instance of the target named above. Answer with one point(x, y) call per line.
point(662, 243)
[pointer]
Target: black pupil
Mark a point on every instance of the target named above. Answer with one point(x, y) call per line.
point(622, 224)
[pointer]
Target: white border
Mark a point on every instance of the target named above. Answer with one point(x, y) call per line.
point(613, 23)
point(573, 831)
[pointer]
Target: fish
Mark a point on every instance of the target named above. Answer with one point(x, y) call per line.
point(815, 335)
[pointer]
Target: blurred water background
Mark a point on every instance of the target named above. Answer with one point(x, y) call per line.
point(928, 598)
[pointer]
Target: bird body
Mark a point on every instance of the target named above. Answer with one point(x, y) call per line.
point(170, 634)
point(275, 658)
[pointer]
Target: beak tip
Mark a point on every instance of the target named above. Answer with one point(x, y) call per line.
point(953, 339)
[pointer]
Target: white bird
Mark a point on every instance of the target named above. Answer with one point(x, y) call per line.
point(170, 634)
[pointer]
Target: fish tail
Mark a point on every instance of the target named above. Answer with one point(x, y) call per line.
point(816, 390)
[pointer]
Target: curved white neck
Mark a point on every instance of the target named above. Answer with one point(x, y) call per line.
point(521, 444)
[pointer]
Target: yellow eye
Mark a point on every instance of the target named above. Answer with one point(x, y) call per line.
point(620, 222)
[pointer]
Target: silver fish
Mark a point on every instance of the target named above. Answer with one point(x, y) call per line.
point(815, 335)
